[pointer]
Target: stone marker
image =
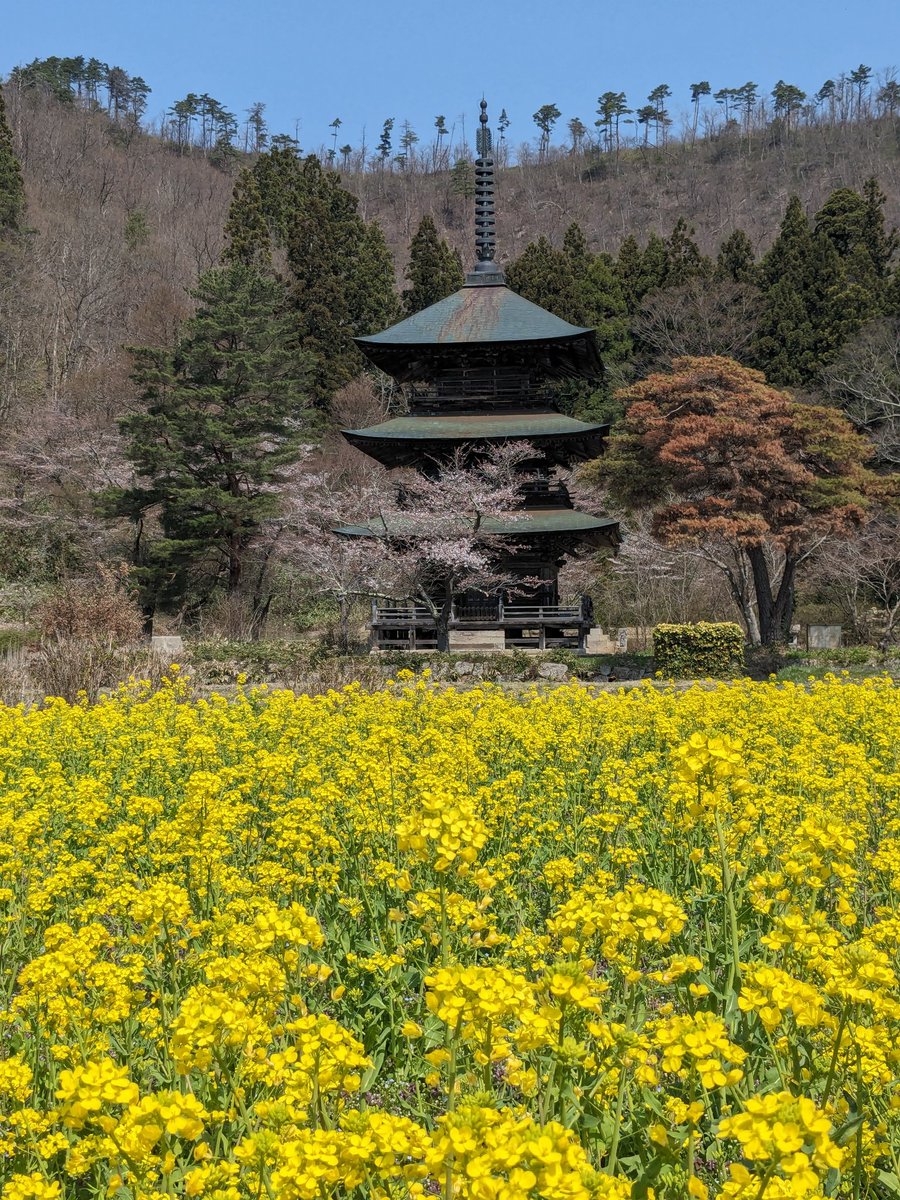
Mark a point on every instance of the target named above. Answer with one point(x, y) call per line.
point(168, 646)
point(823, 637)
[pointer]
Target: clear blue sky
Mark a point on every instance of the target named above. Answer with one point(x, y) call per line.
point(364, 60)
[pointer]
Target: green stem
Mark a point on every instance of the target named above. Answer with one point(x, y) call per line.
point(620, 1103)
point(442, 892)
point(728, 889)
point(834, 1057)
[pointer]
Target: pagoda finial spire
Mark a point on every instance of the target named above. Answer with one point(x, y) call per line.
point(486, 270)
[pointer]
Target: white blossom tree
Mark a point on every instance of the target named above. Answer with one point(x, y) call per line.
point(421, 538)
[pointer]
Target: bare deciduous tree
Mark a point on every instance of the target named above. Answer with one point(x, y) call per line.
point(865, 380)
point(862, 576)
point(702, 316)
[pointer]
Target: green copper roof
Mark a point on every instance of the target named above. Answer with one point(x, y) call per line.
point(476, 314)
point(476, 427)
point(526, 523)
point(550, 520)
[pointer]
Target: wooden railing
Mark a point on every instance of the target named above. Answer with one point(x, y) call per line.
point(540, 613)
point(498, 612)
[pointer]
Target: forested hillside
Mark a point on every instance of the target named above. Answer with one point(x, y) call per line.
point(766, 236)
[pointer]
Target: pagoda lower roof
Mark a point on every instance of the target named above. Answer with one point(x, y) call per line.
point(525, 523)
point(478, 427)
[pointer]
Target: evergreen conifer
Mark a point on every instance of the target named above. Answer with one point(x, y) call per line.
point(543, 275)
point(12, 189)
point(629, 272)
point(246, 229)
point(654, 265)
point(220, 417)
point(340, 270)
point(683, 257)
point(736, 260)
point(434, 269)
point(809, 307)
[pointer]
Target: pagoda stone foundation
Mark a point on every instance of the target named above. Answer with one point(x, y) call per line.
point(478, 368)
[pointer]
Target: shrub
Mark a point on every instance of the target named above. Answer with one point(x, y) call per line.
point(102, 608)
point(87, 628)
point(707, 648)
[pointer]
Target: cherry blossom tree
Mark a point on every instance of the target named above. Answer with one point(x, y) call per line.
point(421, 538)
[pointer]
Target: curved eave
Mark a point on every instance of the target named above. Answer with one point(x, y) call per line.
point(408, 440)
point(564, 523)
point(478, 427)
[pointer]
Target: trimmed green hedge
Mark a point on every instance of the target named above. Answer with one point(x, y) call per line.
point(698, 651)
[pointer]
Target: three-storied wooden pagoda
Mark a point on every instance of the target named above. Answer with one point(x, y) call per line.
point(476, 366)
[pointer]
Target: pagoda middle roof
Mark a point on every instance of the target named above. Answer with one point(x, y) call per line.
point(480, 317)
point(525, 523)
point(477, 427)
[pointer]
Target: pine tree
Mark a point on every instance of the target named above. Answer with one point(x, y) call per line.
point(220, 417)
point(735, 260)
point(12, 189)
point(434, 270)
point(246, 229)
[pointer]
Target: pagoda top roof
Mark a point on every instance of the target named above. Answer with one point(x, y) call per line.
point(480, 315)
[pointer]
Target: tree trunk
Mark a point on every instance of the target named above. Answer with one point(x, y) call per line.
point(775, 611)
point(762, 585)
point(442, 623)
point(783, 611)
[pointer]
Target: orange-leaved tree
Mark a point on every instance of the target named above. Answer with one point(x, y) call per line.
point(744, 472)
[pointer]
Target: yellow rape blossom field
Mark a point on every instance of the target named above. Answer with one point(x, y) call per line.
point(423, 942)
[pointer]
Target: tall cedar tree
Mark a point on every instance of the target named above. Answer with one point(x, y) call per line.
point(722, 457)
point(809, 307)
point(12, 189)
point(736, 261)
point(543, 275)
point(247, 238)
point(641, 271)
point(584, 289)
point(219, 417)
point(340, 268)
point(434, 271)
point(855, 226)
point(683, 258)
point(576, 285)
point(601, 303)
